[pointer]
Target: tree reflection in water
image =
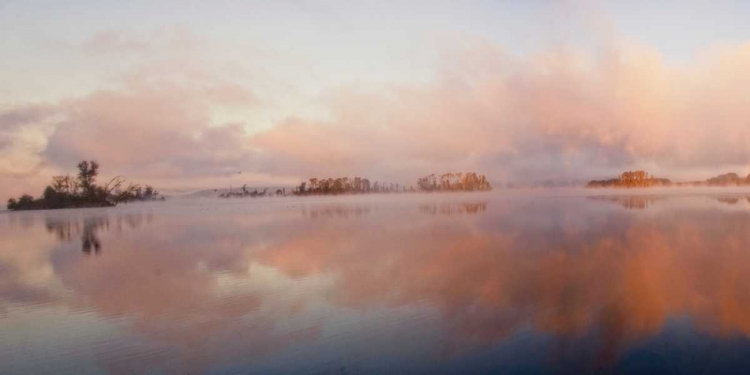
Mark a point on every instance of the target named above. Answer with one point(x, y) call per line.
point(88, 228)
point(631, 202)
point(358, 210)
point(89, 237)
point(733, 199)
point(640, 202)
point(453, 208)
point(337, 211)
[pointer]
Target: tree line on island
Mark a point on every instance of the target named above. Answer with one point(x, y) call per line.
point(469, 181)
point(244, 192)
point(82, 191)
point(346, 185)
point(726, 179)
point(454, 182)
point(446, 182)
point(631, 179)
point(640, 179)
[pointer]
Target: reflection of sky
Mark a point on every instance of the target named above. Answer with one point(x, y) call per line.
point(380, 284)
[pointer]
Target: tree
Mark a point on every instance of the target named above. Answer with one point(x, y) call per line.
point(26, 201)
point(149, 192)
point(64, 184)
point(53, 199)
point(338, 186)
point(49, 193)
point(463, 181)
point(445, 181)
point(87, 172)
point(113, 185)
point(329, 185)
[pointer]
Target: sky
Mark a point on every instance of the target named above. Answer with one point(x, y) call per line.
point(195, 94)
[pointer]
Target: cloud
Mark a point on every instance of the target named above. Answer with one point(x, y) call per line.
point(151, 131)
point(23, 132)
point(160, 132)
point(156, 43)
point(559, 113)
point(116, 41)
point(14, 118)
point(564, 112)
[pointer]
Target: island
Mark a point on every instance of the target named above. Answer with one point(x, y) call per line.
point(631, 179)
point(641, 179)
point(346, 185)
point(469, 181)
point(726, 179)
point(82, 191)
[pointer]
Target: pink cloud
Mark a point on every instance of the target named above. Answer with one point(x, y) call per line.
point(561, 113)
point(132, 131)
point(620, 109)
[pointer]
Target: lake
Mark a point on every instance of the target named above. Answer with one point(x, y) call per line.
point(504, 282)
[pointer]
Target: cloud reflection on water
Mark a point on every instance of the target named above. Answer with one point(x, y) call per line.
point(237, 286)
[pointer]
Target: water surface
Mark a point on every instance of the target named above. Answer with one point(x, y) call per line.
point(501, 282)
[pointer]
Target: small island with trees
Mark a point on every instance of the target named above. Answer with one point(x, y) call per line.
point(82, 191)
point(346, 185)
point(726, 179)
point(631, 179)
point(446, 182)
point(641, 179)
point(469, 181)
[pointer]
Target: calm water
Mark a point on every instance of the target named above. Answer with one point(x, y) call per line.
point(481, 283)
